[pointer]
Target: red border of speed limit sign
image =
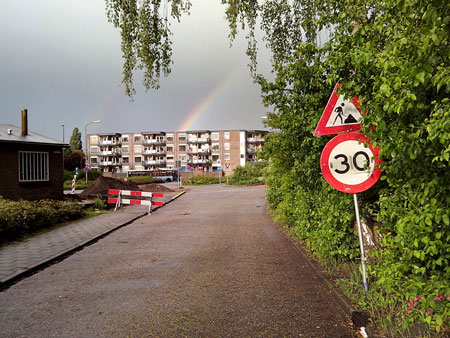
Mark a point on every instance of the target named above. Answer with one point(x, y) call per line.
point(324, 164)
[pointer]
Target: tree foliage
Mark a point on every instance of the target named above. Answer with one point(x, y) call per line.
point(394, 56)
point(75, 140)
point(74, 160)
point(145, 31)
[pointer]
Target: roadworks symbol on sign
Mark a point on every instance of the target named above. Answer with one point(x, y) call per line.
point(339, 115)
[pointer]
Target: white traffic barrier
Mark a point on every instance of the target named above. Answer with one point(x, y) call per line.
point(73, 184)
point(119, 200)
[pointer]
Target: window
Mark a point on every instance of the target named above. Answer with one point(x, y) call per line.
point(170, 149)
point(93, 159)
point(137, 139)
point(125, 139)
point(226, 146)
point(182, 158)
point(137, 149)
point(125, 159)
point(226, 135)
point(125, 149)
point(169, 137)
point(215, 147)
point(182, 137)
point(169, 158)
point(33, 166)
point(138, 159)
point(93, 139)
point(227, 157)
point(94, 150)
point(182, 147)
point(215, 158)
point(214, 136)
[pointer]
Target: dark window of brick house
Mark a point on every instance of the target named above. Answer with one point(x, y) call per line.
point(33, 166)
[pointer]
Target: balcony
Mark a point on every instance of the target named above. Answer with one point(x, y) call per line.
point(153, 142)
point(110, 153)
point(154, 152)
point(199, 161)
point(109, 142)
point(109, 164)
point(200, 140)
point(251, 150)
point(204, 151)
point(255, 140)
point(155, 163)
point(199, 151)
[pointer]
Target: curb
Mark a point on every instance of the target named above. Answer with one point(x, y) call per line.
point(14, 278)
point(334, 289)
point(338, 297)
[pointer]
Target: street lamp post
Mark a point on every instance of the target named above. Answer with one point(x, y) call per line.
point(62, 125)
point(86, 144)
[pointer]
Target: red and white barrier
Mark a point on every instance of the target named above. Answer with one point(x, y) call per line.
point(119, 200)
point(73, 184)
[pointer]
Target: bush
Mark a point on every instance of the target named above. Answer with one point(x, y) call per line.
point(250, 174)
point(79, 185)
point(68, 175)
point(99, 204)
point(18, 218)
point(145, 179)
point(92, 175)
point(201, 180)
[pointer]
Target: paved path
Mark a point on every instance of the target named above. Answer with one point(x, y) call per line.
point(212, 264)
point(20, 257)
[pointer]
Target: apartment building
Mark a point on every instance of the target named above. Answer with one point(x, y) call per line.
point(193, 150)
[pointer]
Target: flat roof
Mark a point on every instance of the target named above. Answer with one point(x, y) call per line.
point(13, 134)
point(108, 134)
point(257, 131)
point(197, 131)
point(153, 133)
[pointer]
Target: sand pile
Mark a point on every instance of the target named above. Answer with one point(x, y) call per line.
point(154, 187)
point(102, 184)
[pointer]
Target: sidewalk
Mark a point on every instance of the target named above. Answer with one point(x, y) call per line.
point(17, 259)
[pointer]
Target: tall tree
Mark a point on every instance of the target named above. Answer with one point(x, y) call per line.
point(75, 140)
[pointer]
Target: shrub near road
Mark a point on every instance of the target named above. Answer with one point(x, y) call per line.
point(201, 180)
point(249, 174)
point(18, 218)
point(394, 56)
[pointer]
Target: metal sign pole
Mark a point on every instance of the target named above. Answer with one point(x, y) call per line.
point(361, 244)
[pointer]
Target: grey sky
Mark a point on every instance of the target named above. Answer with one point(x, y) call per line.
point(61, 60)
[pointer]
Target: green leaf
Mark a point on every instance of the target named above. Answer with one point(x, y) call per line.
point(445, 219)
point(420, 77)
point(385, 90)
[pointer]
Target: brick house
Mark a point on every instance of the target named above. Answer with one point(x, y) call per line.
point(32, 164)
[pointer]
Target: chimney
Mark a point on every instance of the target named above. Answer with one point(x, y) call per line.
point(24, 122)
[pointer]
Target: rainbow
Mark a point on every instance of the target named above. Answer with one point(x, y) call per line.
point(195, 114)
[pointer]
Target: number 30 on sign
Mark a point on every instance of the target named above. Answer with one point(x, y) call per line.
point(347, 165)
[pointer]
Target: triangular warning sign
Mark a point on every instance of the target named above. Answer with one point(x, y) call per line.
point(339, 115)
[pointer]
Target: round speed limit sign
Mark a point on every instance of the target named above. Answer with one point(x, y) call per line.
point(347, 165)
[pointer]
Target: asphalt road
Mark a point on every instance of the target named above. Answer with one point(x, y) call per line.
point(210, 264)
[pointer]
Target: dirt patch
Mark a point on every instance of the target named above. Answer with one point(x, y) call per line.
point(154, 187)
point(102, 184)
